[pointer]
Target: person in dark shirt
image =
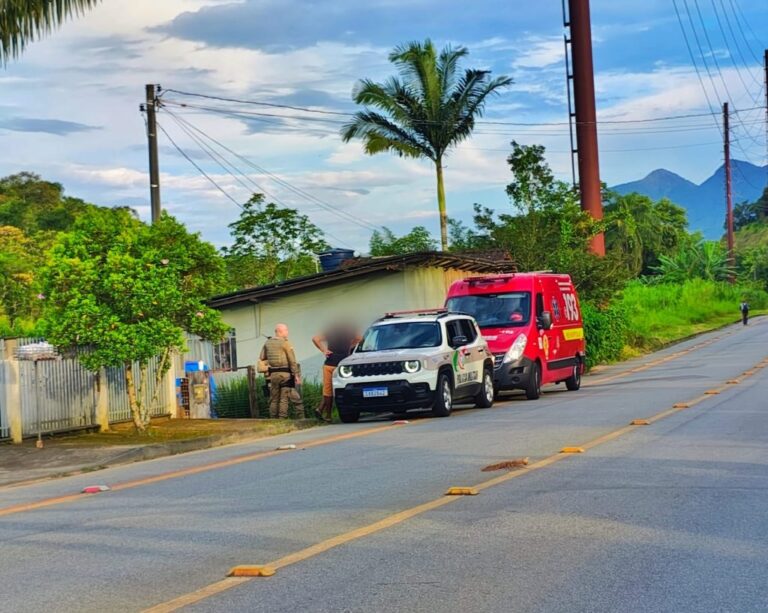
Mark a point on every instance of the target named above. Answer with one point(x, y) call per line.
point(336, 344)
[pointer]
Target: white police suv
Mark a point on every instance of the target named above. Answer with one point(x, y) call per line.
point(415, 360)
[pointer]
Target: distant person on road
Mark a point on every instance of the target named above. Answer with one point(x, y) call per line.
point(335, 344)
point(284, 375)
point(744, 308)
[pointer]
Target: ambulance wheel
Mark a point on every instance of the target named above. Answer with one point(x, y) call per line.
point(574, 381)
point(533, 389)
point(443, 397)
point(349, 416)
point(484, 398)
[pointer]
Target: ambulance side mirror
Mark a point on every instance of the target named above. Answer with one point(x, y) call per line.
point(545, 320)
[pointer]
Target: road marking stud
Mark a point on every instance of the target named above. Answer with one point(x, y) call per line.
point(251, 571)
point(572, 450)
point(96, 489)
point(712, 392)
point(640, 422)
point(733, 381)
point(286, 447)
point(461, 491)
point(681, 405)
point(401, 422)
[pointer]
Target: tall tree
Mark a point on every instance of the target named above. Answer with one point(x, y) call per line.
point(125, 293)
point(22, 21)
point(386, 243)
point(270, 244)
point(425, 111)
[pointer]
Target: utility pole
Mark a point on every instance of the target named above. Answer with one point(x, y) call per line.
point(154, 163)
point(728, 191)
point(586, 115)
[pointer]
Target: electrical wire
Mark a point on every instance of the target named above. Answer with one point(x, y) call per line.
point(199, 169)
point(296, 190)
point(349, 114)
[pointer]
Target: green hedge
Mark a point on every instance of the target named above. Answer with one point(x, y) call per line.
point(605, 330)
point(646, 317)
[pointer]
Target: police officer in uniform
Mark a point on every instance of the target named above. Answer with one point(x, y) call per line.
point(283, 374)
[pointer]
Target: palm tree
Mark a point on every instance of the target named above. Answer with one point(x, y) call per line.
point(22, 21)
point(425, 111)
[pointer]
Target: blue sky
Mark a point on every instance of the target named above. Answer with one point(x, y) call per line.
point(69, 105)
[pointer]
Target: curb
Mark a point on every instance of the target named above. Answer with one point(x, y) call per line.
point(153, 451)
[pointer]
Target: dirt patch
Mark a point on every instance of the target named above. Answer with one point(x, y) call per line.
point(508, 465)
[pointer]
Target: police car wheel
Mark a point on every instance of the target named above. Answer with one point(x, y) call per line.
point(443, 397)
point(533, 389)
point(574, 381)
point(484, 398)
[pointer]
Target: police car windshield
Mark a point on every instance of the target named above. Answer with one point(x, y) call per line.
point(404, 335)
point(494, 310)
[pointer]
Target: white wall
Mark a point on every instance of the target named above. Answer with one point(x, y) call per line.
point(308, 312)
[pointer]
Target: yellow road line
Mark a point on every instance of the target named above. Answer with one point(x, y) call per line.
point(402, 516)
point(651, 364)
point(198, 595)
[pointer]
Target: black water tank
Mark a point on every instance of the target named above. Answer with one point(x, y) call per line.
point(333, 258)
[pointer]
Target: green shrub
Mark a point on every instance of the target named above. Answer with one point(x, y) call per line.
point(232, 402)
point(605, 330)
point(661, 313)
point(231, 399)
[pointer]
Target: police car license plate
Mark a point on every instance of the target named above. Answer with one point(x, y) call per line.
point(375, 392)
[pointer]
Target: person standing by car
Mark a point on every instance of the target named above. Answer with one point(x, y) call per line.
point(744, 308)
point(283, 374)
point(335, 344)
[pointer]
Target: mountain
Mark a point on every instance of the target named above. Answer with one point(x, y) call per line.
point(705, 202)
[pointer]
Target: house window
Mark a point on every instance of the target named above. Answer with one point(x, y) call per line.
point(225, 353)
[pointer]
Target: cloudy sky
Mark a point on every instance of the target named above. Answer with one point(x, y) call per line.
point(69, 108)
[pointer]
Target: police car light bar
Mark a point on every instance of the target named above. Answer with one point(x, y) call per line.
point(416, 312)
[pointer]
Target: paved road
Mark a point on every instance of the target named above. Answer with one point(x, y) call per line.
point(668, 517)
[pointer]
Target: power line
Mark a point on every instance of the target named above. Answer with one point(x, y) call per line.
point(297, 190)
point(728, 95)
point(739, 14)
point(491, 129)
point(732, 57)
point(200, 170)
point(221, 189)
point(347, 114)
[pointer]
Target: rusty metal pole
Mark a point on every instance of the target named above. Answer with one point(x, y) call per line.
point(586, 115)
point(728, 188)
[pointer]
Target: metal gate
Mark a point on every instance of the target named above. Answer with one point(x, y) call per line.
point(56, 395)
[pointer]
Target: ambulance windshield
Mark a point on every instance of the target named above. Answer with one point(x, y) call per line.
point(494, 310)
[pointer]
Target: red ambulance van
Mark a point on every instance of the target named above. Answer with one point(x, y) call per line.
point(532, 322)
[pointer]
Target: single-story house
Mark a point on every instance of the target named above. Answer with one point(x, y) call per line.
point(360, 290)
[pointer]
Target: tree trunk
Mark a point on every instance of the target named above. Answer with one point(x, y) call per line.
point(162, 367)
point(144, 406)
point(441, 205)
point(132, 400)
